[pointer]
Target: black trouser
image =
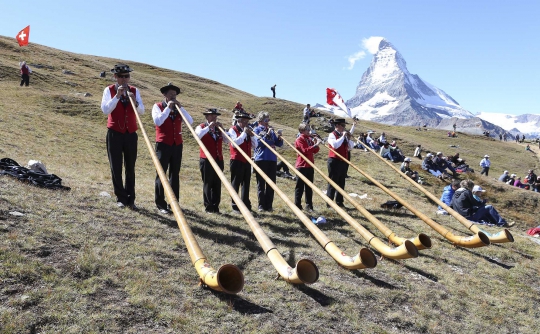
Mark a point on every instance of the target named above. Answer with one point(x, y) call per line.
point(485, 170)
point(301, 185)
point(25, 79)
point(241, 176)
point(169, 156)
point(122, 150)
point(336, 172)
point(265, 193)
point(211, 185)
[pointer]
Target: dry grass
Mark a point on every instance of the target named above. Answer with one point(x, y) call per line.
point(75, 263)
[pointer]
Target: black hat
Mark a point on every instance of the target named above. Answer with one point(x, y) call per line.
point(339, 120)
point(121, 68)
point(167, 88)
point(211, 111)
point(239, 115)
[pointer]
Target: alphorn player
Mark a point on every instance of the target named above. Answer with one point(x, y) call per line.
point(266, 160)
point(213, 141)
point(169, 142)
point(308, 147)
point(122, 134)
point(340, 141)
point(242, 136)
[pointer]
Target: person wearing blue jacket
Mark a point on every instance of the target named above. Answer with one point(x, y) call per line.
point(266, 159)
point(448, 193)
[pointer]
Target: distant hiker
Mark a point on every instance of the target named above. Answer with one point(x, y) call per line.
point(406, 169)
point(169, 142)
point(485, 164)
point(240, 168)
point(500, 136)
point(307, 113)
point(454, 126)
point(504, 177)
point(122, 134)
point(25, 73)
point(522, 138)
point(470, 206)
point(340, 141)
point(273, 89)
point(447, 195)
point(308, 147)
point(418, 152)
point(504, 136)
point(266, 160)
point(212, 139)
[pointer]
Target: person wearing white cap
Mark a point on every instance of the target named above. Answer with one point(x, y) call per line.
point(428, 165)
point(485, 164)
point(504, 177)
point(467, 202)
point(511, 179)
point(406, 169)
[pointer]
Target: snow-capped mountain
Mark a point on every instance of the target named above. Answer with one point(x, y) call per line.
point(389, 93)
point(524, 124)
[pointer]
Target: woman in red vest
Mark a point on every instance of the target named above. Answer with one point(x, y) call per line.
point(169, 142)
point(308, 147)
point(340, 141)
point(213, 141)
point(122, 134)
point(241, 134)
point(25, 74)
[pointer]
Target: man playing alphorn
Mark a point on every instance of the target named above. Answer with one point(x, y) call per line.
point(169, 142)
point(308, 147)
point(122, 134)
point(213, 141)
point(339, 141)
point(242, 136)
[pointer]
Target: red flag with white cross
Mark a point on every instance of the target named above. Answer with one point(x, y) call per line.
point(23, 36)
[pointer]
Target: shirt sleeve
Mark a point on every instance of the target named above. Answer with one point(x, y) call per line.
point(108, 102)
point(200, 131)
point(336, 143)
point(159, 116)
point(188, 117)
point(237, 139)
point(140, 106)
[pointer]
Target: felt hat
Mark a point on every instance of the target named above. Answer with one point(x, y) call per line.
point(211, 111)
point(239, 115)
point(121, 68)
point(339, 120)
point(167, 88)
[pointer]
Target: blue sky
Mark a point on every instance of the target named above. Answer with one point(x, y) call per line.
point(482, 53)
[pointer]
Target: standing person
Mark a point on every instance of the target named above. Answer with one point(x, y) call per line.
point(242, 136)
point(25, 73)
point(213, 141)
point(339, 140)
point(273, 89)
point(122, 134)
point(266, 160)
point(169, 142)
point(504, 136)
point(500, 136)
point(307, 113)
point(454, 126)
point(485, 164)
point(308, 147)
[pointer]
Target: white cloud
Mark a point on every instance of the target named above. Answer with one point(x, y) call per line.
point(353, 58)
point(370, 45)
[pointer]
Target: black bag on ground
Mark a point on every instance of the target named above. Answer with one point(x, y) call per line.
point(391, 205)
point(12, 168)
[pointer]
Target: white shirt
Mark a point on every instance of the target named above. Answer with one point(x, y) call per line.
point(108, 102)
point(241, 138)
point(338, 142)
point(200, 132)
point(159, 117)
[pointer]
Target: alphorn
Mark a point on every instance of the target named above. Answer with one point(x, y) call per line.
point(499, 237)
point(406, 251)
point(305, 271)
point(421, 241)
point(364, 259)
point(477, 240)
point(228, 278)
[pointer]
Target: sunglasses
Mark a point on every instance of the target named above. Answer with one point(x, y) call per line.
point(266, 120)
point(123, 75)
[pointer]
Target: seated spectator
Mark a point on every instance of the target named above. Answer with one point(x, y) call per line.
point(371, 142)
point(406, 169)
point(518, 183)
point(511, 180)
point(504, 177)
point(442, 164)
point(446, 197)
point(531, 180)
point(385, 152)
point(382, 138)
point(456, 160)
point(393, 144)
point(465, 203)
point(418, 152)
point(528, 148)
point(360, 142)
point(428, 165)
point(396, 153)
point(238, 108)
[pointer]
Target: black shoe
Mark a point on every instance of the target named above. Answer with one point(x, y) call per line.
point(133, 207)
point(309, 208)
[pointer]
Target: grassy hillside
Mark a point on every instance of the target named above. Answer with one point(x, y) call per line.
point(76, 263)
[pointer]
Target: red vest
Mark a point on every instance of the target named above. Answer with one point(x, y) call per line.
point(170, 132)
point(343, 149)
point(24, 70)
point(122, 119)
point(214, 146)
point(245, 146)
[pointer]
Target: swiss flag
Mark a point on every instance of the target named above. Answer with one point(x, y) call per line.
point(334, 99)
point(23, 36)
